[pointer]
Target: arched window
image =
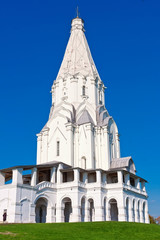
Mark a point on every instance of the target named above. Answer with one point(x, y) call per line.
point(100, 97)
point(83, 90)
point(83, 162)
point(58, 150)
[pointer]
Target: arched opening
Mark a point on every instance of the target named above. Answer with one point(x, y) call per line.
point(83, 162)
point(104, 209)
point(91, 210)
point(83, 90)
point(133, 213)
point(83, 209)
point(127, 210)
point(67, 206)
point(41, 210)
point(113, 210)
point(138, 211)
point(144, 210)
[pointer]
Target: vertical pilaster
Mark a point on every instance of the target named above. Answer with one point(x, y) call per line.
point(137, 183)
point(127, 179)
point(98, 176)
point(106, 149)
point(76, 175)
point(143, 186)
point(53, 175)
point(17, 176)
point(120, 177)
point(92, 91)
point(85, 177)
point(104, 178)
point(76, 147)
point(45, 145)
point(121, 210)
point(99, 147)
point(117, 146)
point(146, 213)
point(39, 147)
point(136, 214)
point(2, 178)
point(89, 132)
point(69, 128)
point(59, 174)
point(34, 177)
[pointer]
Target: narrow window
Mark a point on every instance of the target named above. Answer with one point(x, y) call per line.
point(83, 91)
point(58, 148)
point(100, 97)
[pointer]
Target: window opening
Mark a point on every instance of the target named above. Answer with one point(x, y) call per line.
point(83, 91)
point(58, 144)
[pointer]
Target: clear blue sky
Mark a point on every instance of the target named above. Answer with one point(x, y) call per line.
point(124, 37)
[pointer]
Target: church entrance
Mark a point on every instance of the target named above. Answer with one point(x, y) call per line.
point(113, 210)
point(83, 210)
point(67, 204)
point(91, 210)
point(41, 210)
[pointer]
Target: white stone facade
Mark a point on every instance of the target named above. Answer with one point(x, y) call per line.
point(79, 175)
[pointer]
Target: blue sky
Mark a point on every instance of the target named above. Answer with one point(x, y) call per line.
point(124, 38)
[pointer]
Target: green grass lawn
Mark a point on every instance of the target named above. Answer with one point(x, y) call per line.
point(77, 231)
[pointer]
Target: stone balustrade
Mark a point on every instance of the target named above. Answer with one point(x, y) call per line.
point(45, 184)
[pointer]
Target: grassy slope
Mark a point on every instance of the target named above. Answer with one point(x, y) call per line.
point(85, 231)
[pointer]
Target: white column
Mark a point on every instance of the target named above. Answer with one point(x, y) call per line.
point(143, 186)
point(76, 175)
point(59, 174)
point(59, 213)
point(89, 132)
point(108, 211)
point(121, 209)
point(2, 178)
point(17, 176)
point(121, 213)
point(117, 146)
point(136, 213)
point(127, 179)
point(99, 162)
point(50, 212)
point(86, 211)
point(141, 213)
point(76, 213)
point(130, 212)
point(32, 213)
point(99, 216)
point(85, 177)
point(106, 149)
point(98, 176)
point(146, 213)
point(39, 147)
point(53, 175)
point(120, 177)
point(76, 148)
point(96, 164)
point(69, 128)
point(34, 177)
point(104, 178)
point(45, 146)
point(92, 90)
point(137, 183)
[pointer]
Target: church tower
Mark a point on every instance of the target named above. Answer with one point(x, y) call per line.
point(79, 175)
point(80, 132)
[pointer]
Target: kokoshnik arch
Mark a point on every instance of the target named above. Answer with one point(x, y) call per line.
point(80, 175)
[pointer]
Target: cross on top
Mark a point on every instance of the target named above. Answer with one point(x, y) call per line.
point(77, 12)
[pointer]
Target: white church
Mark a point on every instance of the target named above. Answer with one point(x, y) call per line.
point(80, 175)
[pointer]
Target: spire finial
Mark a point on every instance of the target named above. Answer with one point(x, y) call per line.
point(77, 12)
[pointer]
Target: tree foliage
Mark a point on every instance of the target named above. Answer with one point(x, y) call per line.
point(152, 220)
